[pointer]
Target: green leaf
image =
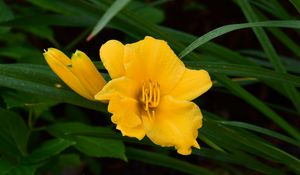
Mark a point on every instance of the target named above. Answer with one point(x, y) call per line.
point(32, 102)
point(277, 10)
point(290, 64)
point(274, 8)
point(38, 79)
point(246, 141)
point(259, 105)
point(55, 6)
point(13, 133)
point(68, 129)
point(108, 15)
point(17, 52)
point(47, 150)
point(100, 147)
point(286, 40)
point(153, 15)
point(165, 161)
point(261, 130)
point(43, 32)
point(5, 15)
point(64, 162)
point(67, 160)
point(91, 140)
point(296, 4)
point(5, 166)
point(247, 71)
point(232, 27)
point(22, 170)
point(237, 158)
point(270, 51)
point(58, 20)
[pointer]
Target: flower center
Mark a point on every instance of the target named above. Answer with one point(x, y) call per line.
point(150, 97)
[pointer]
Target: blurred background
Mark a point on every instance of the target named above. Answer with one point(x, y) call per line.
point(251, 115)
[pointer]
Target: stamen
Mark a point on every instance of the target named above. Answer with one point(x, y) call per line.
point(149, 115)
point(150, 97)
point(153, 103)
point(158, 95)
point(150, 90)
point(143, 92)
point(146, 100)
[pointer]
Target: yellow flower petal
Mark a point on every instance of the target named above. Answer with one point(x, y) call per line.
point(59, 64)
point(134, 65)
point(59, 56)
point(87, 73)
point(153, 59)
point(176, 123)
point(137, 132)
point(126, 116)
point(192, 84)
point(127, 111)
point(122, 86)
point(111, 54)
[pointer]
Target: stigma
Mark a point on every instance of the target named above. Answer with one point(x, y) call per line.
point(150, 97)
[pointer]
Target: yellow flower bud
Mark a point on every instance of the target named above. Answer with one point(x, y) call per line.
point(79, 73)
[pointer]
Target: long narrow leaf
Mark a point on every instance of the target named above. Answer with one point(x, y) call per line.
point(165, 161)
point(242, 93)
point(296, 4)
point(265, 42)
point(39, 79)
point(108, 15)
point(241, 70)
point(261, 130)
point(232, 27)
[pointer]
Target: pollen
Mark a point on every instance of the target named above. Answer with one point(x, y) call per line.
point(150, 97)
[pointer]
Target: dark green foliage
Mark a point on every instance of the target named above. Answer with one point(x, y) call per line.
point(39, 134)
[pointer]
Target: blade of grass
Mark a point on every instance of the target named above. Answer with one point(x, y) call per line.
point(282, 108)
point(108, 15)
point(246, 142)
point(259, 57)
point(232, 27)
point(287, 41)
point(272, 7)
point(281, 36)
point(270, 51)
point(247, 71)
point(237, 158)
point(296, 4)
point(259, 105)
point(261, 130)
point(165, 161)
point(56, 20)
point(5, 15)
point(76, 40)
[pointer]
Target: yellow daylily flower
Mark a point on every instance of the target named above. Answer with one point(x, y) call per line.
point(79, 72)
point(150, 93)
